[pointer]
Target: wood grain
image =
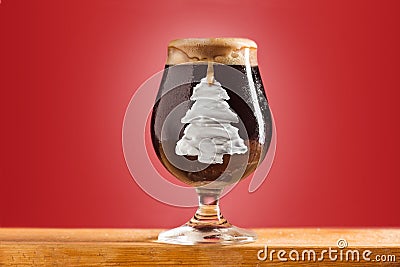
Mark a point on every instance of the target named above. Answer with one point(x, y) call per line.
point(138, 247)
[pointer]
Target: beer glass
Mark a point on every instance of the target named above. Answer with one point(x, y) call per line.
point(211, 127)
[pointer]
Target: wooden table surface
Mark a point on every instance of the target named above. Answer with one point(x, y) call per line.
point(138, 247)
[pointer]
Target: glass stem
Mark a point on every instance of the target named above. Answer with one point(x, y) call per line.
point(208, 213)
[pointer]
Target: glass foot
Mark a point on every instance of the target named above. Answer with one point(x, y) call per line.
point(189, 235)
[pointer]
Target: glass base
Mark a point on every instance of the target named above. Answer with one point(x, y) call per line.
point(189, 235)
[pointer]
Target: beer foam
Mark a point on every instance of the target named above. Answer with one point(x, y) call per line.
point(229, 51)
point(209, 134)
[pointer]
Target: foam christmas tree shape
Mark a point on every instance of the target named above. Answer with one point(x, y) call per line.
point(209, 134)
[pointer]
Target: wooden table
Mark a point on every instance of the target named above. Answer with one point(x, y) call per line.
point(138, 247)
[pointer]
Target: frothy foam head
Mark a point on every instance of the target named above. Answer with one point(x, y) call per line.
point(229, 51)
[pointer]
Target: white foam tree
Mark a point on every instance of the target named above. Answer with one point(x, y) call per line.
point(209, 134)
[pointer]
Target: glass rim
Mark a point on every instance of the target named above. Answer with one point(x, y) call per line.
point(234, 42)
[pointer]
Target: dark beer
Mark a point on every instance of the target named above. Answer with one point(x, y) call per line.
point(246, 98)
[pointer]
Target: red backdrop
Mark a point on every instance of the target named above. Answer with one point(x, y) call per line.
point(69, 69)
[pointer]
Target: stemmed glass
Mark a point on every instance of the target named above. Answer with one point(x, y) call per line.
point(211, 127)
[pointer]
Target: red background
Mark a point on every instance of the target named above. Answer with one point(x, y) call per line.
point(69, 69)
